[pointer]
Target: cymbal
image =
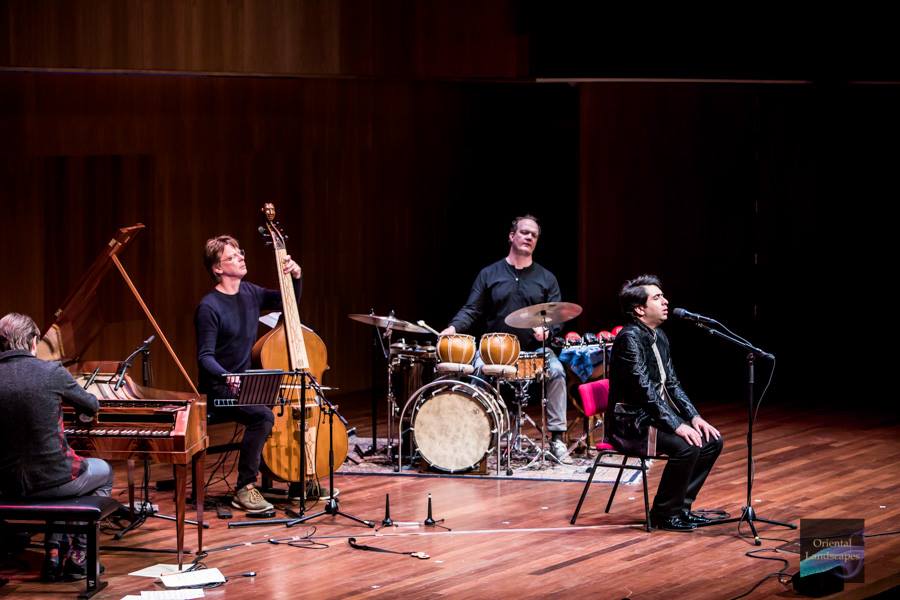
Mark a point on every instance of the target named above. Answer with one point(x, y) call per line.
point(389, 323)
point(548, 313)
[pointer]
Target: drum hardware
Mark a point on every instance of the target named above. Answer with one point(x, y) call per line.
point(517, 438)
point(543, 315)
point(388, 324)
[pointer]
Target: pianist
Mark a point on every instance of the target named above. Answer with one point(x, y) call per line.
point(226, 321)
point(35, 458)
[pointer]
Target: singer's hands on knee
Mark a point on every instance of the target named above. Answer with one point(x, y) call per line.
point(689, 434)
point(708, 431)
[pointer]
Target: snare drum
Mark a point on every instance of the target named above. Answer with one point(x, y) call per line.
point(457, 422)
point(530, 365)
point(456, 348)
point(499, 348)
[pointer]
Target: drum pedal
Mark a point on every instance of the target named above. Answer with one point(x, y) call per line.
point(223, 512)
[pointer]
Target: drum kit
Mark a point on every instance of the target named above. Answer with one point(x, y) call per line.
point(455, 417)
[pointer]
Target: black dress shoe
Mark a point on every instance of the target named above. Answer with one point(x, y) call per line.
point(673, 523)
point(695, 519)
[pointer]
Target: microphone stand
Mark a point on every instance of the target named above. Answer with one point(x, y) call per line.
point(140, 516)
point(331, 505)
point(748, 514)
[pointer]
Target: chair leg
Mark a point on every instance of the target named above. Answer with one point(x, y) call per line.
point(646, 495)
point(612, 494)
point(587, 486)
point(93, 584)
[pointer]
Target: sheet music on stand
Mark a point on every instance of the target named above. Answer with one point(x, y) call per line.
point(259, 387)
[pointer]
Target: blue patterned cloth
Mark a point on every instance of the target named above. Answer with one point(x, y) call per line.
point(582, 359)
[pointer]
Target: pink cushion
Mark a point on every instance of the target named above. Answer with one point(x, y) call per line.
point(605, 446)
point(594, 396)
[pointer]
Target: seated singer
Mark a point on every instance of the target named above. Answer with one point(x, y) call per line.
point(226, 321)
point(643, 379)
point(35, 458)
point(503, 287)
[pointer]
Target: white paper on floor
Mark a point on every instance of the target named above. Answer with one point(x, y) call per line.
point(158, 570)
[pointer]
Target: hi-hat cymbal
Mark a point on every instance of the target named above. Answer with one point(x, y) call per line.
point(389, 323)
point(548, 313)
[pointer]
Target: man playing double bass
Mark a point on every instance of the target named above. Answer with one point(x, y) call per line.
point(226, 321)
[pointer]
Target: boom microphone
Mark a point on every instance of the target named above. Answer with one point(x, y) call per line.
point(126, 364)
point(680, 313)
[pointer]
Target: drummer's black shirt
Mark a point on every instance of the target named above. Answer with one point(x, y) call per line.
point(501, 289)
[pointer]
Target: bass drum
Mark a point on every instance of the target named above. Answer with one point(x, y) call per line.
point(456, 422)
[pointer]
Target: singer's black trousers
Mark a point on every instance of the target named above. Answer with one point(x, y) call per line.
point(685, 472)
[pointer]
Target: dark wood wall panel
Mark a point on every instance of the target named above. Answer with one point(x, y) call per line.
point(438, 38)
point(393, 194)
point(714, 189)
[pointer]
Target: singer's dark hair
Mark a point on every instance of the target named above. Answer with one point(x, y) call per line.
point(633, 293)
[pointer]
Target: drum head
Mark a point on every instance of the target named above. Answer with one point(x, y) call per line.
point(452, 430)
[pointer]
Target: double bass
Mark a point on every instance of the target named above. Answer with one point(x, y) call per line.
point(292, 346)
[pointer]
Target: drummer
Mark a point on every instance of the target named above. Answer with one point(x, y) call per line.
point(511, 283)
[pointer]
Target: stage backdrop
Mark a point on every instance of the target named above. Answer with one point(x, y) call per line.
point(397, 139)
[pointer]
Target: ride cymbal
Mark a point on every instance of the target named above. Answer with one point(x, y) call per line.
point(548, 313)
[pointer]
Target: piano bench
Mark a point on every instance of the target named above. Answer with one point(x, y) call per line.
point(80, 515)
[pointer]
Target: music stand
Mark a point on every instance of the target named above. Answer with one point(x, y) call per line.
point(265, 387)
point(258, 387)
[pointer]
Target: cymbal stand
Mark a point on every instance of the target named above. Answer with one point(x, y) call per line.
point(376, 343)
point(543, 429)
point(392, 408)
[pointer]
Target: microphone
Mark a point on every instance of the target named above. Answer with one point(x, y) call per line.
point(127, 362)
point(680, 313)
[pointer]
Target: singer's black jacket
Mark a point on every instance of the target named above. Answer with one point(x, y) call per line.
point(34, 453)
point(634, 379)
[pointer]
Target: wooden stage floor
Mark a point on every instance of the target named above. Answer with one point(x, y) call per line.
point(512, 538)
